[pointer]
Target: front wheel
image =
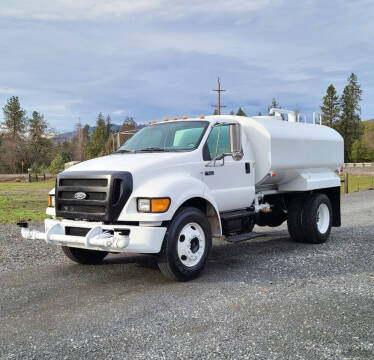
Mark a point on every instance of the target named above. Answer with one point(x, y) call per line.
point(186, 246)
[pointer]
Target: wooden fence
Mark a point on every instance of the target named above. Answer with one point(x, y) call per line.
point(25, 177)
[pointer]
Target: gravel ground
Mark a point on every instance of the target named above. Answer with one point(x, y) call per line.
point(267, 298)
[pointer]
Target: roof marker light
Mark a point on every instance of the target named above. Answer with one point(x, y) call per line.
point(202, 117)
point(166, 119)
point(184, 117)
point(175, 118)
point(154, 121)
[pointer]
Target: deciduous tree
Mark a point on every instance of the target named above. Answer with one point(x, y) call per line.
point(361, 152)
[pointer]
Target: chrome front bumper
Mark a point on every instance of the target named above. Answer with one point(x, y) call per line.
point(112, 238)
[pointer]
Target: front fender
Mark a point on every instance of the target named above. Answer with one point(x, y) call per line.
point(178, 187)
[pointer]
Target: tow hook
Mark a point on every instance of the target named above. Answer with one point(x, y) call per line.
point(23, 224)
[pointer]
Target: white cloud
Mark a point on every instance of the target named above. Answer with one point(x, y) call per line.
point(53, 107)
point(59, 107)
point(9, 91)
point(93, 9)
point(118, 112)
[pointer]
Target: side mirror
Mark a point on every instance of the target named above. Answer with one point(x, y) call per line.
point(236, 141)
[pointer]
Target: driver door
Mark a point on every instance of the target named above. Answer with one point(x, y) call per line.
point(230, 181)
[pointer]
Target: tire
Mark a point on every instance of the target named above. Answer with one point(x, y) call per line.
point(186, 246)
point(251, 225)
point(317, 219)
point(84, 256)
point(294, 219)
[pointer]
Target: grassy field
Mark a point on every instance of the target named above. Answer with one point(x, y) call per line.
point(358, 183)
point(27, 201)
point(24, 201)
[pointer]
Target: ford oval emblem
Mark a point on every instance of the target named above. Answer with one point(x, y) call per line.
point(80, 195)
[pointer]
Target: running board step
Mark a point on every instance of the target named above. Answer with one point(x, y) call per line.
point(253, 235)
point(236, 214)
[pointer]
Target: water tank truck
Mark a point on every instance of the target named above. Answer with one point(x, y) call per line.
point(176, 185)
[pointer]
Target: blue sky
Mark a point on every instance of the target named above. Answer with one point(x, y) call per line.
point(154, 58)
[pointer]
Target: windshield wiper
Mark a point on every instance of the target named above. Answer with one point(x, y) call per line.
point(124, 151)
point(153, 149)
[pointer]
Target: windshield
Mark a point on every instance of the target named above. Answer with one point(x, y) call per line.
point(170, 136)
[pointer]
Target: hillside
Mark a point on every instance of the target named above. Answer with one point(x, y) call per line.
point(67, 136)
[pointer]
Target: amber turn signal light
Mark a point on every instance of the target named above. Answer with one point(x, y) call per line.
point(153, 205)
point(160, 205)
point(51, 202)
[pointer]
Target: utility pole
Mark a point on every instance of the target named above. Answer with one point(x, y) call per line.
point(219, 106)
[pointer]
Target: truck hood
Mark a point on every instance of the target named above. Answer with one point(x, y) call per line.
point(130, 162)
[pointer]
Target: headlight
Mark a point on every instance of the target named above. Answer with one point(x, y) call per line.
point(51, 201)
point(155, 205)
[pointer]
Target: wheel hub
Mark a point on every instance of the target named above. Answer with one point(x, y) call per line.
point(191, 244)
point(323, 218)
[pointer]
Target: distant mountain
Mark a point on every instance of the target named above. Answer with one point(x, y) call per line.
point(67, 136)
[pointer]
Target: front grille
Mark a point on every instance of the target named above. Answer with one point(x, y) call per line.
point(69, 195)
point(87, 209)
point(84, 182)
point(96, 196)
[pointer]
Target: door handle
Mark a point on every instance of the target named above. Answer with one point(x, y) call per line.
point(207, 173)
point(247, 167)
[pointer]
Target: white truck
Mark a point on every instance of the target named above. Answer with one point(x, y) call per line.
point(176, 185)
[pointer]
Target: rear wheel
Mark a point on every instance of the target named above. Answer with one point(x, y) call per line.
point(84, 256)
point(317, 218)
point(294, 219)
point(187, 245)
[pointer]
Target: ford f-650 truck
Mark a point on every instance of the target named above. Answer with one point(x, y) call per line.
point(176, 185)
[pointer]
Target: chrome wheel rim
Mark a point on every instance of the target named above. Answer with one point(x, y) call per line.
point(191, 244)
point(323, 218)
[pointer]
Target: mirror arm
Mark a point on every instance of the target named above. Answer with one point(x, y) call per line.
point(212, 163)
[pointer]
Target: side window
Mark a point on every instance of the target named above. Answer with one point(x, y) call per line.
point(218, 141)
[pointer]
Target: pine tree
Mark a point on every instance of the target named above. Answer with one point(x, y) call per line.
point(39, 145)
point(330, 107)
point(240, 112)
point(274, 104)
point(232, 112)
point(96, 146)
point(57, 165)
point(349, 124)
point(86, 133)
point(15, 117)
point(108, 126)
point(79, 155)
point(37, 125)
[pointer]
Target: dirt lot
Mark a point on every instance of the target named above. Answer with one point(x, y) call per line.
point(267, 298)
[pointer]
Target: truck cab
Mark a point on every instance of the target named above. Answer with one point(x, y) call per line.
point(176, 185)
